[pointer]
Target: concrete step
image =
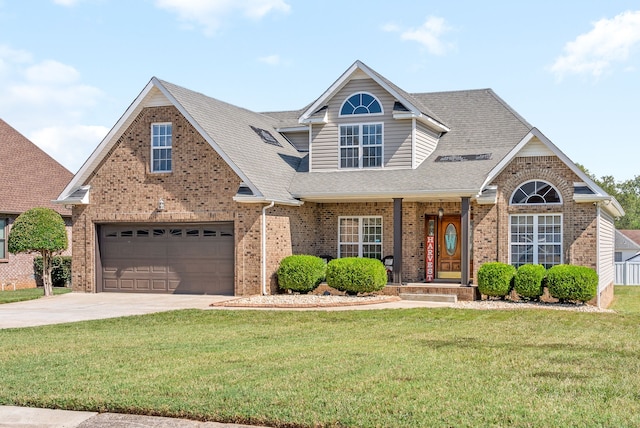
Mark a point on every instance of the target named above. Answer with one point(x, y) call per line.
point(447, 298)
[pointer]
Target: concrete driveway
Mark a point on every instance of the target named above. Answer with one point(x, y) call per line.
point(74, 307)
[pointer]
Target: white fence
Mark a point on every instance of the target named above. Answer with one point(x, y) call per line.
point(628, 273)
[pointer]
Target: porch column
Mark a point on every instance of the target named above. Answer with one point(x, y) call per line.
point(465, 228)
point(397, 241)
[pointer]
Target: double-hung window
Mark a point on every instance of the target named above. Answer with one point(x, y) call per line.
point(360, 237)
point(536, 239)
point(161, 147)
point(361, 145)
point(3, 239)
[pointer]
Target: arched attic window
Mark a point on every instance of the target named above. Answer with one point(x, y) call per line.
point(535, 192)
point(361, 103)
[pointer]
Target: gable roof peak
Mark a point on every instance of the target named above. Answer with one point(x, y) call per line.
point(418, 109)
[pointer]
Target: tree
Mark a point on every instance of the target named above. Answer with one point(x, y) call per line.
point(40, 230)
point(627, 193)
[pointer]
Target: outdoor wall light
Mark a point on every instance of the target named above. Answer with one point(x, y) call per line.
point(161, 205)
point(440, 212)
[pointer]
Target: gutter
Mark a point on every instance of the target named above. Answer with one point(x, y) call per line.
point(264, 246)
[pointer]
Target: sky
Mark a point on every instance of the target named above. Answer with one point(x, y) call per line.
point(70, 68)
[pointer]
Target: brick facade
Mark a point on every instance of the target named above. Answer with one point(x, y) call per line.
point(200, 189)
point(579, 221)
point(202, 186)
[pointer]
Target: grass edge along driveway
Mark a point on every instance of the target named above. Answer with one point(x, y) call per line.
point(403, 368)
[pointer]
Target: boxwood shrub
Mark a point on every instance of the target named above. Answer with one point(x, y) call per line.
point(301, 273)
point(528, 281)
point(355, 275)
point(495, 279)
point(60, 270)
point(572, 283)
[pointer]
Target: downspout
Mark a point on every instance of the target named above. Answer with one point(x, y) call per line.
point(264, 247)
point(598, 251)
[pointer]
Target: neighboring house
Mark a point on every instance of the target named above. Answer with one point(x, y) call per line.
point(627, 244)
point(31, 178)
point(190, 194)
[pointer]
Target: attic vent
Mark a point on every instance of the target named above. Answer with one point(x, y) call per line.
point(398, 106)
point(583, 190)
point(463, 158)
point(244, 190)
point(266, 136)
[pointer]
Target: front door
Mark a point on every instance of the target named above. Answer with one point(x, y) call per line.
point(449, 262)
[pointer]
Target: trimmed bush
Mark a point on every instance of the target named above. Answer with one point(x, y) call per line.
point(572, 283)
point(301, 273)
point(355, 275)
point(60, 272)
point(528, 281)
point(495, 279)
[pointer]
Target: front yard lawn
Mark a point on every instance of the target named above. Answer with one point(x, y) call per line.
point(28, 294)
point(400, 368)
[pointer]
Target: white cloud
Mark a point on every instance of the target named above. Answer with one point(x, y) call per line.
point(270, 59)
point(66, 2)
point(52, 72)
point(430, 34)
point(48, 102)
point(9, 56)
point(211, 14)
point(390, 27)
point(594, 53)
point(69, 145)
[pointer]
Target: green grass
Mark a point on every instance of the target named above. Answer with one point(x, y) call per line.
point(383, 368)
point(28, 294)
point(627, 299)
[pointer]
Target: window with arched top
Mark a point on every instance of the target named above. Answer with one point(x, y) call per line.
point(535, 192)
point(361, 103)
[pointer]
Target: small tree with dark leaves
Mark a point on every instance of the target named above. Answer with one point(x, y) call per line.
point(39, 230)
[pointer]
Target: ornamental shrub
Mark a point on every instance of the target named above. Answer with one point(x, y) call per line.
point(39, 230)
point(60, 270)
point(528, 281)
point(301, 273)
point(495, 279)
point(355, 275)
point(572, 283)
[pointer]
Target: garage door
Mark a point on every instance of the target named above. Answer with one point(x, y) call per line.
point(194, 259)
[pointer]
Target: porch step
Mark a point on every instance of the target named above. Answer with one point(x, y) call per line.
point(431, 297)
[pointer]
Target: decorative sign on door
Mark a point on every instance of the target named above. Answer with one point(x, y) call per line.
point(431, 249)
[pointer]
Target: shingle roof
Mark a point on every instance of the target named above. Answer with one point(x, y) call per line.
point(269, 167)
point(632, 235)
point(479, 121)
point(31, 178)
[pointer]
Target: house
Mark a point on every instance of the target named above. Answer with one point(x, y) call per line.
point(627, 244)
point(190, 194)
point(31, 179)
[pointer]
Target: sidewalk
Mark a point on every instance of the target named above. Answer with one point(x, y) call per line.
point(26, 417)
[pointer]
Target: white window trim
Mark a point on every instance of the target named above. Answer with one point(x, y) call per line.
point(153, 171)
point(534, 204)
point(360, 146)
point(360, 242)
point(5, 229)
point(361, 114)
point(535, 242)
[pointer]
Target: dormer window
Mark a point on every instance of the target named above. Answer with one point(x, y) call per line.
point(360, 104)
